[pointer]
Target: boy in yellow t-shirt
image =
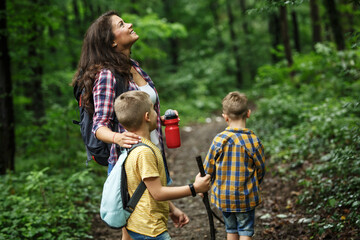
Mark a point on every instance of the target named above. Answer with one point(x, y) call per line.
point(136, 114)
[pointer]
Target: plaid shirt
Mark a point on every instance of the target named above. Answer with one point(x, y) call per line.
point(104, 114)
point(236, 163)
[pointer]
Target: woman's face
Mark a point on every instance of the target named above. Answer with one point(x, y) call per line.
point(125, 36)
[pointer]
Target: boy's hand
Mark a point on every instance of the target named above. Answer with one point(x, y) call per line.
point(202, 184)
point(178, 217)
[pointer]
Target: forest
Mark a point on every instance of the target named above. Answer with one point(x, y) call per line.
point(298, 61)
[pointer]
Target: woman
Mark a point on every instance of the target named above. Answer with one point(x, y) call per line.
point(106, 54)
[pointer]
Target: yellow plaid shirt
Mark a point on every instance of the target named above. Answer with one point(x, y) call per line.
point(236, 163)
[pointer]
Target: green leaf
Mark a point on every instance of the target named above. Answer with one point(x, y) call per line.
point(332, 202)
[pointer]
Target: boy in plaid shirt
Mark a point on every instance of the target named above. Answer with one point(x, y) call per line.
point(236, 163)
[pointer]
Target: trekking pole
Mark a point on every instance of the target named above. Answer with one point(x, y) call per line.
point(206, 200)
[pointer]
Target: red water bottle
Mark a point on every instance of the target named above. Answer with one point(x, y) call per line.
point(172, 132)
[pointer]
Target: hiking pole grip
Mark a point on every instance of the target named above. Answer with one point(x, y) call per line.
point(200, 166)
point(206, 200)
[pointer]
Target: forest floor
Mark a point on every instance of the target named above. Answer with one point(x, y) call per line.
point(277, 217)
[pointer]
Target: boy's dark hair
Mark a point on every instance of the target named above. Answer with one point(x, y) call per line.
point(235, 105)
point(130, 108)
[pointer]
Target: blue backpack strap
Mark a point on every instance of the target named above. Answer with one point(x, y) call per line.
point(140, 188)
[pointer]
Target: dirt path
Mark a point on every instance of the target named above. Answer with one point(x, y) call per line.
point(276, 218)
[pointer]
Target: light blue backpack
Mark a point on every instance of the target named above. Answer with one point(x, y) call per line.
point(116, 204)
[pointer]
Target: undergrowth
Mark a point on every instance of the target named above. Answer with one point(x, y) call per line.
point(47, 204)
point(310, 126)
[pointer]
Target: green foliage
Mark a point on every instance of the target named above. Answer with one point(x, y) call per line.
point(47, 204)
point(57, 133)
point(310, 126)
point(335, 188)
point(201, 87)
point(152, 28)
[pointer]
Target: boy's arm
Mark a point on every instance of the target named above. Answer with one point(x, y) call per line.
point(178, 217)
point(259, 159)
point(163, 193)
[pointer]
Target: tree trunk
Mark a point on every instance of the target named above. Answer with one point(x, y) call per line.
point(7, 130)
point(77, 21)
point(33, 89)
point(275, 33)
point(245, 22)
point(214, 5)
point(76, 12)
point(285, 35)
point(239, 77)
point(134, 7)
point(315, 22)
point(173, 42)
point(296, 34)
point(246, 31)
point(33, 85)
point(335, 24)
point(350, 25)
point(90, 12)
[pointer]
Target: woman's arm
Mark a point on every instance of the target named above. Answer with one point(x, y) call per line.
point(104, 98)
point(125, 139)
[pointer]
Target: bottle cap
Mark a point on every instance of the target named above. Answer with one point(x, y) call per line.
point(170, 114)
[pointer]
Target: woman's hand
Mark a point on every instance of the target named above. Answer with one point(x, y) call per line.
point(162, 118)
point(126, 139)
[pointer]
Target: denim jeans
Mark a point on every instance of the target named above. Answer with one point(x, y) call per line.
point(110, 167)
point(137, 236)
point(240, 222)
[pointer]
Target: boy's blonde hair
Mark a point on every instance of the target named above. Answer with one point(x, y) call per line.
point(235, 105)
point(130, 108)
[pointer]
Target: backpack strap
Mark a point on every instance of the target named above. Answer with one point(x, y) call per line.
point(135, 197)
point(140, 188)
point(119, 89)
point(120, 85)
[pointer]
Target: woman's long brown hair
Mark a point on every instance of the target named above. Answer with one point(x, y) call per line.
point(97, 53)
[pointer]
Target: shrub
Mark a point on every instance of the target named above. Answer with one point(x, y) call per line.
point(47, 205)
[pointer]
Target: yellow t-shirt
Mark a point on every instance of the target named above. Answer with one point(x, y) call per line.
point(150, 217)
